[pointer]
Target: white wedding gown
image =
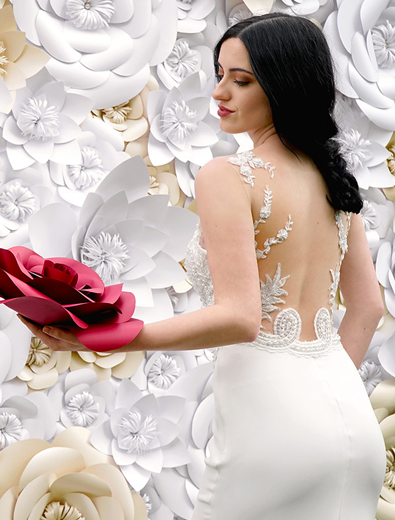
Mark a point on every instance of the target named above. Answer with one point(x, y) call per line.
point(294, 434)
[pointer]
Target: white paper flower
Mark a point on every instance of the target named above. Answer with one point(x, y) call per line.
point(363, 147)
point(101, 48)
point(79, 400)
point(67, 479)
point(372, 371)
point(177, 126)
point(361, 38)
point(192, 14)
point(142, 434)
point(377, 216)
point(319, 9)
point(26, 417)
point(43, 124)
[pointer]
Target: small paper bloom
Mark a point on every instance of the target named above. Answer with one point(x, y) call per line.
point(17, 202)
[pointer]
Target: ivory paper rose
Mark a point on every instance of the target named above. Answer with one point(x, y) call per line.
point(64, 292)
point(65, 479)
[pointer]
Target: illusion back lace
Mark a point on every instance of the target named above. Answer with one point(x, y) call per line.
point(287, 324)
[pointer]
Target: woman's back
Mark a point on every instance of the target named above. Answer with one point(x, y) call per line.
point(289, 196)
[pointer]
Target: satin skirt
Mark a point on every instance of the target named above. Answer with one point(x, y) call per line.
point(294, 438)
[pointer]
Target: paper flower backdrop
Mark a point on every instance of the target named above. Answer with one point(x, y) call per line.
point(106, 117)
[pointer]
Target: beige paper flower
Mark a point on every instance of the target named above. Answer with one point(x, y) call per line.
point(105, 365)
point(383, 402)
point(130, 118)
point(66, 479)
point(18, 61)
point(43, 365)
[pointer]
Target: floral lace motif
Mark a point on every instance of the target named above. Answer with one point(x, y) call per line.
point(335, 273)
point(247, 161)
point(271, 292)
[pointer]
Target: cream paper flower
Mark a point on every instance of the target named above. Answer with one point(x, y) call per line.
point(361, 35)
point(383, 402)
point(65, 479)
point(43, 365)
point(100, 48)
point(105, 364)
point(142, 434)
point(44, 124)
point(18, 61)
point(177, 126)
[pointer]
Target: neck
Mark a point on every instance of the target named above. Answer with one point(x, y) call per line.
point(262, 135)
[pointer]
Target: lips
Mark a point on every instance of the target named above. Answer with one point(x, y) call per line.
point(223, 111)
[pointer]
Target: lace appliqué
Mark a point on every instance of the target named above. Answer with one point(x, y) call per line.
point(247, 161)
point(196, 264)
point(335, 273)
point(269, 242)
point(286, 333)
point(271, 292)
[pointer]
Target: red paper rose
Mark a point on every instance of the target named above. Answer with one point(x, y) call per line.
point(68, 294)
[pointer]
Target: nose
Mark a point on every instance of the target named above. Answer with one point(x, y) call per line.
point(220, 92)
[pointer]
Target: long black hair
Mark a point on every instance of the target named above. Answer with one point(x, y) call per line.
point(291, 61)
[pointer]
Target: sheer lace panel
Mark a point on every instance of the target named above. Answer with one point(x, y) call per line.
point(335, 273)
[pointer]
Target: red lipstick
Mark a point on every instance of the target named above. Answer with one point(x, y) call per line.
point(223, 111)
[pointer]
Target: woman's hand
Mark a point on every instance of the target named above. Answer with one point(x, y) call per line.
point(55, 338)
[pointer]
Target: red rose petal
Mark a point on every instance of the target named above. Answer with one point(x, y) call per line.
point(59, 291)
point(10, 264)
point(86, 275)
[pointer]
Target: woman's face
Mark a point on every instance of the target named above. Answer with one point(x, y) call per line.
point(242, 104)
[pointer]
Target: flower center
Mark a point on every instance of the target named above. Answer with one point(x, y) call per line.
point(58, 511)
point(118, 114)
point(89, 15)
point(182, 61)
point(369, 215)
point(38, 120)
point(106, 254)
point(370, 374)
point(355, 149)
point(164, 371)
point(178, 122)
point(90, 172)
point(3, 59)
point(82, 409)
point(391, 159)
point(135, 432)
point(17, 202)
point(147, 501)
point(389, 479)
point(39, 353)
point(383, 37)
point(11, 430)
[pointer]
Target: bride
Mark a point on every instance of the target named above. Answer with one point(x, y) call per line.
point(294, 436)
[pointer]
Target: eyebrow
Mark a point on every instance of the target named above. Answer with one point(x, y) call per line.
point(236, 69)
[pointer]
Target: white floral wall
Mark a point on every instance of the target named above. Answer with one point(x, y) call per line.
point(106, 117)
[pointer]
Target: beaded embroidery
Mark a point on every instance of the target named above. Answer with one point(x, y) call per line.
point(335, 273)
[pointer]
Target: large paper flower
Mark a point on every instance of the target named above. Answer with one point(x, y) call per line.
point(361, 36)
point(102, 48)
point(65, 292)
point(43, 124)
point(65, 479)
point(177, 126)
point(142, 434)
point(192, 14)
point(377, 216)
point(101, 151)
point(383, 402)
point(18, 61)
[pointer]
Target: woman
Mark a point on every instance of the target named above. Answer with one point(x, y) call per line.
point(294, 434)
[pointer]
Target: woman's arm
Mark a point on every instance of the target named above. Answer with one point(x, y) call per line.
point(235, 317)
point(361, 292)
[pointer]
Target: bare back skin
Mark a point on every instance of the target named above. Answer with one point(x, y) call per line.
point(312, 247)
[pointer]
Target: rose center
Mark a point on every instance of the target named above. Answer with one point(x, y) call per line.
point(58, 511)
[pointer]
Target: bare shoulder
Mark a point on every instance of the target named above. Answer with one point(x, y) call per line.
point(217, 175)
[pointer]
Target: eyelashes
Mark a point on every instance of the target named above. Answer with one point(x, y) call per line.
point(238, 82)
